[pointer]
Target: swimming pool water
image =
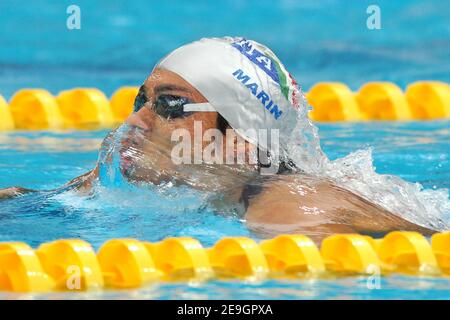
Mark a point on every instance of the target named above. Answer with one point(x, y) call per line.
point(416, 151)
point(119, 43)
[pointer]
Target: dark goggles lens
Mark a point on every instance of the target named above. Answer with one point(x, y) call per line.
point(140, 99)
point(171, 107)
point(167, 106)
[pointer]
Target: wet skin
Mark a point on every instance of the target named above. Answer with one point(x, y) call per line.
point(285, 203)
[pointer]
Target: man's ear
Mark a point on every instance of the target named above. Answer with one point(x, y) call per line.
point(222, 124)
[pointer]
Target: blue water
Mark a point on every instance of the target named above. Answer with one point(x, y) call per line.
point(119, 41)
point(118, 44)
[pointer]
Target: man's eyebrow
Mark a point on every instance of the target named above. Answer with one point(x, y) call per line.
point(170, 87)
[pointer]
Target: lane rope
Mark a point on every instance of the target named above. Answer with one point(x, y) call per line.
point(72, 264)
point(85, 108)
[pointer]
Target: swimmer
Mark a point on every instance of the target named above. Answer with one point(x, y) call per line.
point(230, 85)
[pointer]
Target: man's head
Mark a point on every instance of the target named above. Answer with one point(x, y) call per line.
point(159, 105)
point(242, 81)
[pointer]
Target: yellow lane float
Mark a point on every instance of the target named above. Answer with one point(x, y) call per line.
point(85, 108)
point(6, 120)
point(440, 243)
point(383, 101)
point(238, 257)
point(35, 109)
point(126, 263)
point(21, 270)
point(72, 265)
point(122, 102)
point(429, 99)
point(333, 101)
point(89, 108)
point(351, 253)
point(291, 254)
point(408, 252)
point(181, 258)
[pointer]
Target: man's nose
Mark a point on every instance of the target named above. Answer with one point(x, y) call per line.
point(141, 119)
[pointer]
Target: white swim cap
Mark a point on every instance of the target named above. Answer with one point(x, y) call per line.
point(243, 81)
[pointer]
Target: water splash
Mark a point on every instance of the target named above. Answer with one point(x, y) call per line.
point(356, 172)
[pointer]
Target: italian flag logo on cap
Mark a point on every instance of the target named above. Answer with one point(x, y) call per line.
point(266, 60)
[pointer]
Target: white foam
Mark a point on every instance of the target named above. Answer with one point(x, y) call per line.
point(356, 172)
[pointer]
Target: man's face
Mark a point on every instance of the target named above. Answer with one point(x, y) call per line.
point(146, 153)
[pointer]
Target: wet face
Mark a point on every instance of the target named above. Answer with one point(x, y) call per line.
point(162, 90)
point(146, 149)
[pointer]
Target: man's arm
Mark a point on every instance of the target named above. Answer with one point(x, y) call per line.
point(82, 184)
point(13, 192)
